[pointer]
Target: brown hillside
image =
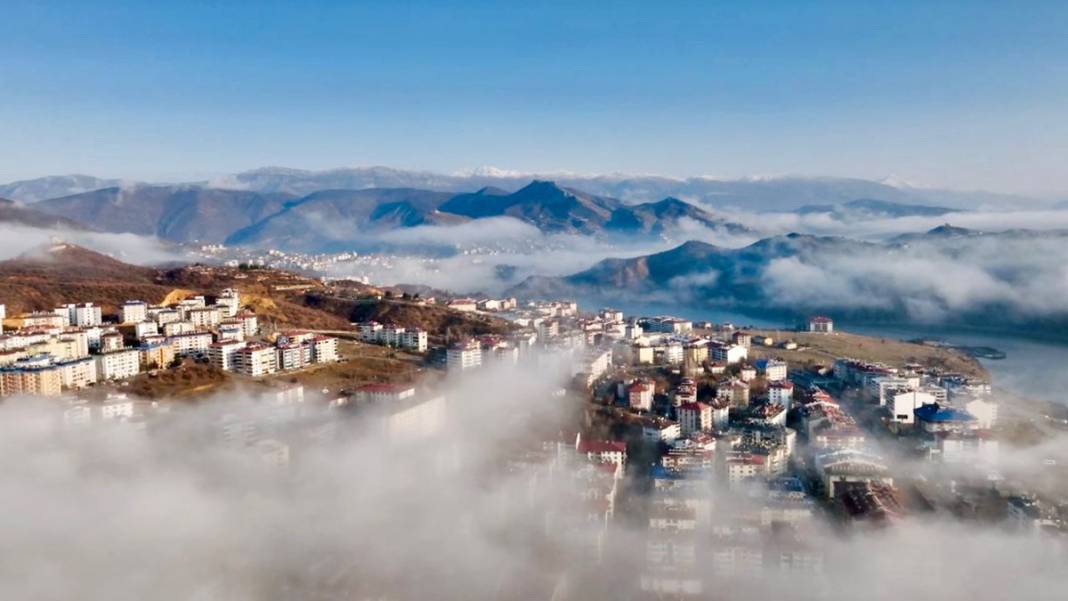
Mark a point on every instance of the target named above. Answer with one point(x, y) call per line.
point(66, 273)
point(440, 322)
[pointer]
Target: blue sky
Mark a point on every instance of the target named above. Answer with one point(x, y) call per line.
point(957, 94)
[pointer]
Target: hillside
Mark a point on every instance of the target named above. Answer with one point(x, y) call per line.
point(316, 220)
point(176, 213)
point(65, 273)
point(657, 218)
point(543, 204)
point(12, 213)
point(441, 322)
point(54, 186)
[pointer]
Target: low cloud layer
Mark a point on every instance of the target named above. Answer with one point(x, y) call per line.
point(180, 508)
point(933, 280)
point(129, 248)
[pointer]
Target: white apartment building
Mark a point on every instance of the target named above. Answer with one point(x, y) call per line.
point(84, 315)
point(118, 365)
point(694, 417)
point(134, 311)
point(204, 318)
point(256, 360)
point(376, 333)
point(174, 328)
point(781, 393)
point(324, 349)
point(640, 395)
point(229, 302)
point(163, 316)
point(192, 343)
point(903, 405)
point(463, 356)
point(249, 323)
point(193, 302)
point(145, 328)
point(728, 353)
point(230, 330)
point(223, 354)
point(294, 356)
point(78, 373)
point(774, 370)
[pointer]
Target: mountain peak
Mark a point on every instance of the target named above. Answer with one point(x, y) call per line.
point(946, 230)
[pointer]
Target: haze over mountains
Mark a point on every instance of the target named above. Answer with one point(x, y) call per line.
point(948, 274)
point(759, 193)
point(862, 248)
point(327, 218)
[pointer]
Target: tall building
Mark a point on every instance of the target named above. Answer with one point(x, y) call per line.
point(134, 311)
point(256, 360)
point(229, 301)
point(463, 356)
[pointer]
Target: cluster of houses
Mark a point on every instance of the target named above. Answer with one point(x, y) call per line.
point(412, 339)
point(73, 346)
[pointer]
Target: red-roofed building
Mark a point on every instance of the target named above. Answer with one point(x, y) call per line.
point(695, 417)
point(640, 395)
point(821, 324)
point(602, 451)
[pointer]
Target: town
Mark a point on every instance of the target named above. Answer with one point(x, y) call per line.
point(731, 448)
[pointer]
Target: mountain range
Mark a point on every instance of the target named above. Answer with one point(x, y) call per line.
point(784, 193)
point(327, 218)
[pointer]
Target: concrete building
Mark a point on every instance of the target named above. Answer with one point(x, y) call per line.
point(133, 311)
point(255, 360)
point(850, 465)
point(229, 302)
point(78, 373)
point(84, 315)
point(156, 355)
point(118, 365)
point(695, 417)
point(145, 328)
point(821, 324)
point(176, 328)
point(383, 393)
point(781, 393)
point(230, 330)
point(773, 370)
point(323, 349)
point(111, 341)
point(32, 375)
point(463, 356)
point(204, 318)
point(640, 395)
point(728, 353)
point(223, 354)
point(191, 344)
point(249, 322)
point(903, 404)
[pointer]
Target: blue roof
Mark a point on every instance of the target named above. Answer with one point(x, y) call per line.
point(937, 413)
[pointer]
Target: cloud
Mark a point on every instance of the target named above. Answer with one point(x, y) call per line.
point(130, 248)
point(176, 508)
point(481, 232)
point(930, 280)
